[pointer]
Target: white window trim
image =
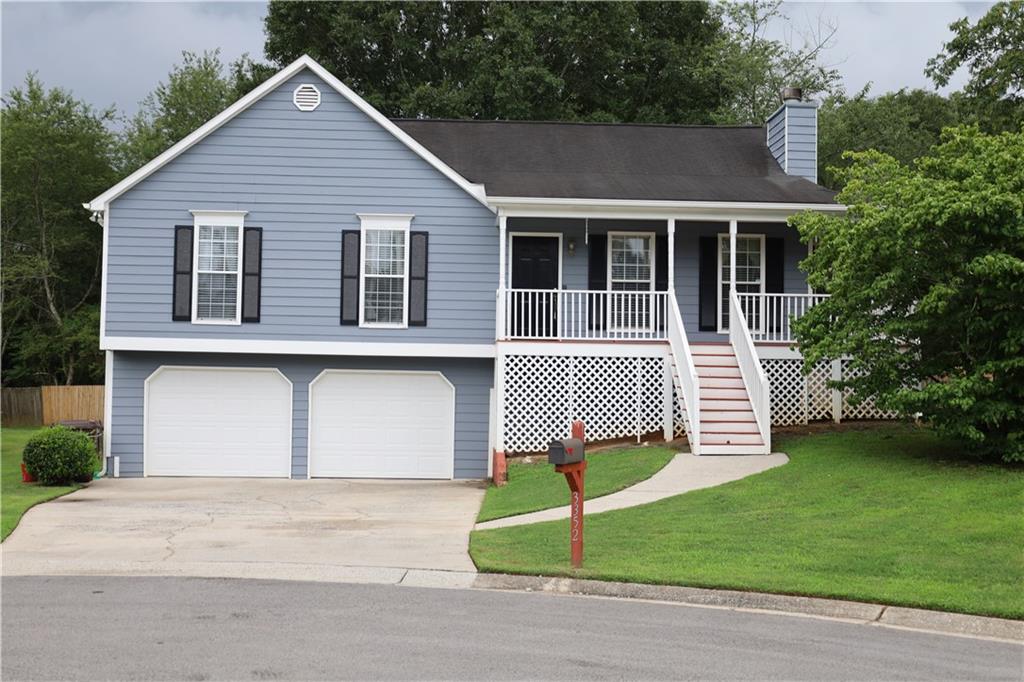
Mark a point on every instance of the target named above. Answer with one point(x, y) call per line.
point(383, 221)
point(718, 274)
point(652, 242)
point(217, 219)
point(650, 238)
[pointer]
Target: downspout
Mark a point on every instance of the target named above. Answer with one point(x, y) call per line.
point(100, 218)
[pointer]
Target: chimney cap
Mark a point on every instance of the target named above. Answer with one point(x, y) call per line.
point(791, 94)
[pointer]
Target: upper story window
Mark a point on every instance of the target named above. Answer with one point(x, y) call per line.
point(217, 284)
point(384, 271)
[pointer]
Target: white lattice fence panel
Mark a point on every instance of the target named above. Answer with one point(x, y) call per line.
point(616, 397)
point(678, 414)
point(819, 395)
point(534, 411)
point(788, 391)
point(864, 410)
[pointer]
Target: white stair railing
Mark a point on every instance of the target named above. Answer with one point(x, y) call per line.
point(689, 382)
point(754, 378)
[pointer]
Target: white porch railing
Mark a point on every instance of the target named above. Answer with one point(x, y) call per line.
point(770, 316)
point(560, 314)
point(686, 371)
point(754, 378)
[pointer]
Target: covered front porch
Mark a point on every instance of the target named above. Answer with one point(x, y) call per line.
point(614, 279)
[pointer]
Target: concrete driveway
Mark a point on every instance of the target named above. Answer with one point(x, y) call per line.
point(347, 530)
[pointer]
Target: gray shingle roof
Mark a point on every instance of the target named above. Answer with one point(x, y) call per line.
point(615, 161)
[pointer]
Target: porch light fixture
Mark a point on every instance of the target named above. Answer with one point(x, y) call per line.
point(572, 246)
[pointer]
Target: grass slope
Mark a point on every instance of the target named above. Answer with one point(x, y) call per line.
point(536, 486)
point(16, 497)
point(890, 515)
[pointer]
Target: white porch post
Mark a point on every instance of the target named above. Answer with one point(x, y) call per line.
point(500, 309)
point(732, 267)
point(672, 255)
point(502, 241)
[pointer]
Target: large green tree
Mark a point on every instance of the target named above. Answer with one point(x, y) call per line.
point(992, 50)
point(195, 91)
point(570, 61)
point(904, 124)
point(926, 272)
point(756, 67)
point(56, 152)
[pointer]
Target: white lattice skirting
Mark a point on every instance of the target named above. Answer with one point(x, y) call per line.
point(799, 399)
point(624, 397)
point(616, 397)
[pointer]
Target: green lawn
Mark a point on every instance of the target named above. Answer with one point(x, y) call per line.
point(889, 514)
point(536, 486)
point(16, 497)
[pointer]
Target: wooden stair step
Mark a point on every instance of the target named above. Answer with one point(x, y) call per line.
point(732, 439)
point(714, 361)
point(727, 393)
point(724, 404)
point(719, 372)
point(722, 382)
point(728, 427)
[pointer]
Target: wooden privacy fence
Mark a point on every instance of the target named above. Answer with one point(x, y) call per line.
point(51, 404)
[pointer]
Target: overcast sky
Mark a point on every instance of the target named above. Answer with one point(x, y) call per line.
point(116, 53)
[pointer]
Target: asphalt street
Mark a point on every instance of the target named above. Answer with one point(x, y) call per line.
point(88, 628)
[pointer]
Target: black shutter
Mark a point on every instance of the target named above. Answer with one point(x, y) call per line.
point(350, 277)
point(661, 263)
point(252, 269)
point(597, 277)
point(707, 296)
point(774, 265)
point(181, 298)
point(417, 279)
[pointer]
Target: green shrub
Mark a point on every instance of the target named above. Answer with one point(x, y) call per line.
point(59, 456)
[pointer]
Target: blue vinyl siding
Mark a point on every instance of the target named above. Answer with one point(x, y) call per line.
point(797, 152)
point(303, 177)
point(472, 379)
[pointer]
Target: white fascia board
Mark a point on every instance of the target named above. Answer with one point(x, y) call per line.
point(653, 210)
point(649, 349)
point(304, 62)
point(271, 347)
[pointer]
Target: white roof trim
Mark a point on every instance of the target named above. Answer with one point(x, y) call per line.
point(303, 62)
point(651, 210)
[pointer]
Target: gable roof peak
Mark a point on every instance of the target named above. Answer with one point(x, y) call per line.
point(304, 62)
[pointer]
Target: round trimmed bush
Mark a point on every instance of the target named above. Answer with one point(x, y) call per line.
point(59, 456)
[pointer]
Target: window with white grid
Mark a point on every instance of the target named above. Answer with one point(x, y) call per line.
point(385, 271)
point(749, 275)
point(218, 269)
point(630, 269)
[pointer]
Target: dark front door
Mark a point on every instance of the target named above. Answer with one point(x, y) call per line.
point(534, 310)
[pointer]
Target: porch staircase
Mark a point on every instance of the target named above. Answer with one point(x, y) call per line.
point(727, 422)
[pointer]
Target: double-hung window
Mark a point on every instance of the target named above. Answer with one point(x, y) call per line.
point(217, 287)
point(750, 266)
point(384, 271)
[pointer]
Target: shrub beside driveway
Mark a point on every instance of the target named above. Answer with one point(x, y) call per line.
point(889, 514)
point(16, 497)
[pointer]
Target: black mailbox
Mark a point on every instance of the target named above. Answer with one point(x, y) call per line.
point(565, 451)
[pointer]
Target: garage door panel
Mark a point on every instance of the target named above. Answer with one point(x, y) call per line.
point(382, 425)
point(216, 422)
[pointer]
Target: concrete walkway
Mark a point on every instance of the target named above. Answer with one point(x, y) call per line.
point(684, 473)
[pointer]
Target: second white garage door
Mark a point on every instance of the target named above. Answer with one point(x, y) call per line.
point(381, 425)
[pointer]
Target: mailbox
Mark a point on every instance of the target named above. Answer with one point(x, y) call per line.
point(565, 451)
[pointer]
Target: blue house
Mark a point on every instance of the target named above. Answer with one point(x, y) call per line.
point(305, 288)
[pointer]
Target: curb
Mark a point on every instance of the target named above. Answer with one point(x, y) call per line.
point(860, 612)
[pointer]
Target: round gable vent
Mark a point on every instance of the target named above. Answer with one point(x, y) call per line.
point(306, 97)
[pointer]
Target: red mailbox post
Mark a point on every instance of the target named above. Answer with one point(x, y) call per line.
point(574, 477)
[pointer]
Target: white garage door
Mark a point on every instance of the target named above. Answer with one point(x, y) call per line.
point(218, 422)
point(381, 425)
